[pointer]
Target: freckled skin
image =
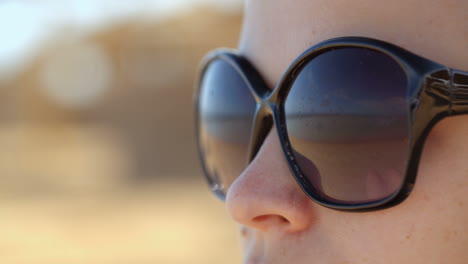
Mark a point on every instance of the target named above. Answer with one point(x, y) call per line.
point(279, 223)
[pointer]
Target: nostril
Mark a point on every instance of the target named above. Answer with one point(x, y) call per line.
point(270, 218)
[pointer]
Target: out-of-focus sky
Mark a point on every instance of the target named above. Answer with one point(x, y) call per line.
point(24, 25)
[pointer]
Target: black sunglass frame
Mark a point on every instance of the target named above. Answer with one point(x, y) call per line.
point(435, 91)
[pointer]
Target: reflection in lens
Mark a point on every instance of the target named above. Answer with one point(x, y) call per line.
point(346, 113)
point(226, 109)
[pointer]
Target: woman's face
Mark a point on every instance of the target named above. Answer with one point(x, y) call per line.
point(279, 223)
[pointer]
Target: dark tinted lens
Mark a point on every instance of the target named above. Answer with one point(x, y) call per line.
point(226, 109)
point(347, 121)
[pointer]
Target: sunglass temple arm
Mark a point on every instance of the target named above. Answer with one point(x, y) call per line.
point(453, 85)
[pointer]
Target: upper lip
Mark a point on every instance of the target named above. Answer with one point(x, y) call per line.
point(254, 260)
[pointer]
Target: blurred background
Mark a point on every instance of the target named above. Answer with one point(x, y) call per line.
point(97, 160)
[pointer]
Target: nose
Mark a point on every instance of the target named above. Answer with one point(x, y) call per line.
point(266, 196)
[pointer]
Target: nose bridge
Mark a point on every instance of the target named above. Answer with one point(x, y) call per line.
point(262, 125)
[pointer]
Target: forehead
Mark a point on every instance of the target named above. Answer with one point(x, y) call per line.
point(277, 31)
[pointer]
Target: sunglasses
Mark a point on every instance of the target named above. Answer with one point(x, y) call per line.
point(351, 113)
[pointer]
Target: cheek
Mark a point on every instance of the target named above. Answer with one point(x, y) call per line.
point(431, 225)
point(423, 229)
point(443, 169)
point(440, 196)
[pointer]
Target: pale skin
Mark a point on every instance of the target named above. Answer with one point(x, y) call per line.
point(279, 223)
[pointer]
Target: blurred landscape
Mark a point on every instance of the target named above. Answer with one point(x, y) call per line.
point(98, 161)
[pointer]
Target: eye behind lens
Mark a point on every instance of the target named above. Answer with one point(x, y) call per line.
point(346, 112)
